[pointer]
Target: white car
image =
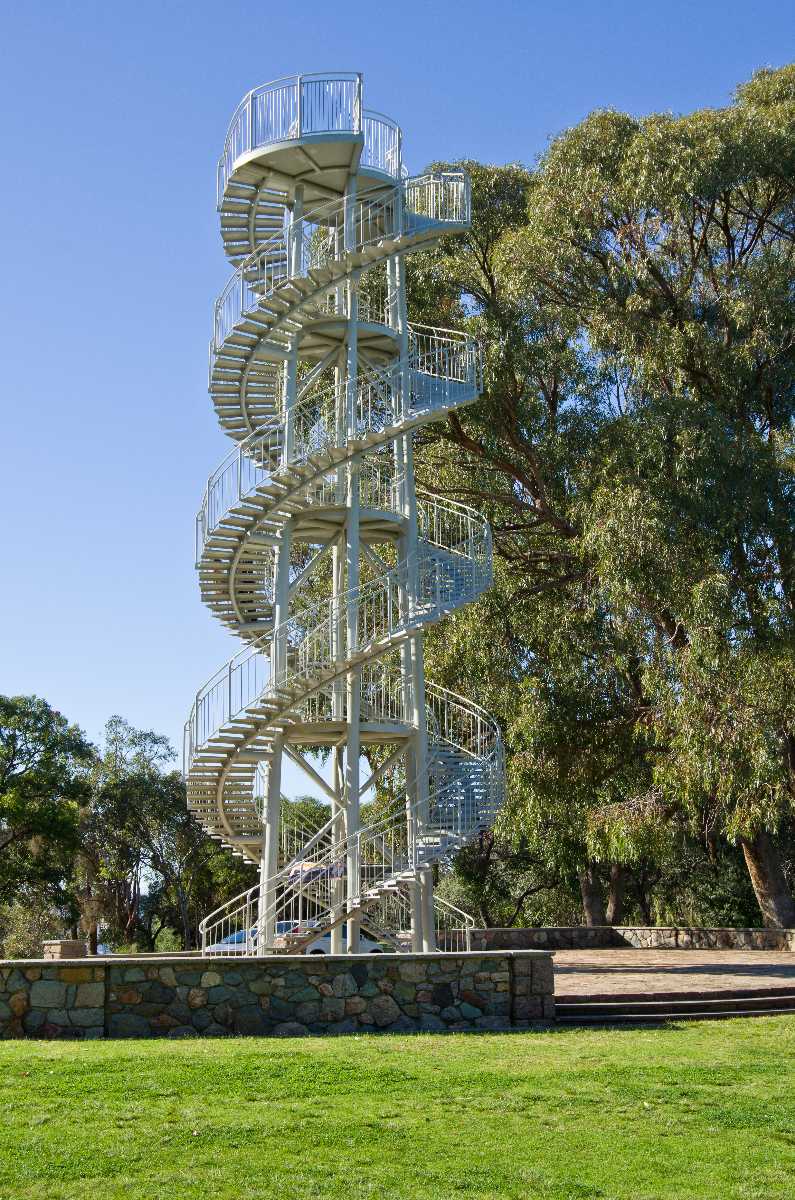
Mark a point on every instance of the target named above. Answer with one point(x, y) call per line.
point(322, 945)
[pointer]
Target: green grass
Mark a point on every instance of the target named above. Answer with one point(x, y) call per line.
point(689, 1111)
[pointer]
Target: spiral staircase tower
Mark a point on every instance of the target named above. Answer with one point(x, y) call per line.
point(312, 544)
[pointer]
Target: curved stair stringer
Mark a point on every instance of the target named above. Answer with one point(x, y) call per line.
point(283, 303)
point(233, 752)
point(264, 512)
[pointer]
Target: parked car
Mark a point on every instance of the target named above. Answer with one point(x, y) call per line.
point(232, 941)
point(322, 945)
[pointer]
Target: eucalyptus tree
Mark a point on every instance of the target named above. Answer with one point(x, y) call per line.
point(635, 451)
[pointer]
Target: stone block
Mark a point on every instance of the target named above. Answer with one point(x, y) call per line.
point(76, 974)
point(58, 1017)
point(543, 978)
point(413, 971)
point(527, 1008)
point(442, 995)
point(403, 1024)
point(332, 1008)
point(87, 1016)
point(250, 1021)
point(290, 1029)
point(90, 995)
point(341, 1027)
point(47, 993)
point(157, 993)
point(197, 997)
point(18, 1004)
point(303, 994)
point(344, 985)
point(360, 973)
point(210, 979)
point(64, 948)
point(492, 1022)
point(128, 996)
point(129, 1025)
point(383, 1010)
point(307, 1012)
point(224, 1015)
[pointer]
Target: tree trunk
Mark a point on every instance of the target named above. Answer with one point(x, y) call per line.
point(615, 897)
point(767, 876)
point(593, 904)
point(185, 917)
point(643, 886)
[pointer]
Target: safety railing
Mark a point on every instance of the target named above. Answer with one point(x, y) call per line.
point(443, 369)
point(319, 239)
point(308, 642)
point(300, 106)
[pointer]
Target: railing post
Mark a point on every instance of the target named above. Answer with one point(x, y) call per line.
point(357, 115)
point(298, 105)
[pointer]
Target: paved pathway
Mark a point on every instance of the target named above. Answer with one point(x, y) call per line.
point(665, 972)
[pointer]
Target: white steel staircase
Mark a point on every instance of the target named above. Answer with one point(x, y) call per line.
point(313, 546)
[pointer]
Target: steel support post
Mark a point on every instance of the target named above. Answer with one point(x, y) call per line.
point(428, 920)
point(269, 863)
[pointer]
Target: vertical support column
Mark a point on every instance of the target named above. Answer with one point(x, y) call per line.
point(337, 811)
point(428, 918)
point(269, 862)
point(412, 656)
point(353, 697)
point(281, 600)
point(415, 901)
point(295, 265)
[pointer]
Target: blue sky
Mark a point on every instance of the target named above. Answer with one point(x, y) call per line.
point(113, 116)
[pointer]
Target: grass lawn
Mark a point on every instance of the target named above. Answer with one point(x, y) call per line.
point(690, 1111)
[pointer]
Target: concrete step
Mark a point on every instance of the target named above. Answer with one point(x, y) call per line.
point(674, 1006)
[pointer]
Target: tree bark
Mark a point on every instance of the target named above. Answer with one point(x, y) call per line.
point(593, 904)
point(770, 885)
point(615, 896)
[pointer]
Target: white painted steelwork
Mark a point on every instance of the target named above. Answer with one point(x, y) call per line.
point(313, 546)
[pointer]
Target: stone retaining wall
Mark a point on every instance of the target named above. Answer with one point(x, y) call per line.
point(173, 997)
point(642, 937)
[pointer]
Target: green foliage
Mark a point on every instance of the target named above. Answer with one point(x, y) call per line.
point(42, 784)
point(633, 450)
